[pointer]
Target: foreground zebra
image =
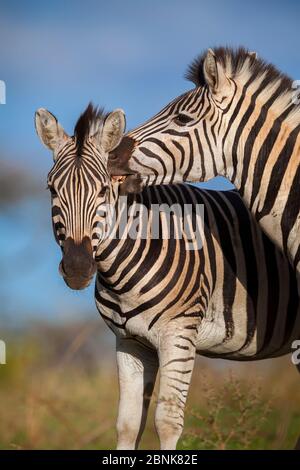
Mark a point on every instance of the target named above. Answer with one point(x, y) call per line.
point(241, 121)
point(234, 298)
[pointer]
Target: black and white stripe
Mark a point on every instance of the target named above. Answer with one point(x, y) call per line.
point(235, 297)
point(241, 121)
point(238, 280)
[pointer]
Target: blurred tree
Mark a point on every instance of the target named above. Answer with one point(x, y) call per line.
point(16, 183)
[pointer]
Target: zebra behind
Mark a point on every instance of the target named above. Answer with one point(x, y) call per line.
point(242, 121)
point(235, 297)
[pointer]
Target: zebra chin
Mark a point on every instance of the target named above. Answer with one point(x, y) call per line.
point(77, 283)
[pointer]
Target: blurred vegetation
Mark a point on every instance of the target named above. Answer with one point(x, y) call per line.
point(59, 390)
point(16, 183)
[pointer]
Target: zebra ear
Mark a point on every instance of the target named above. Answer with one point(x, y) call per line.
point(49, 130)
point(214, 73)
point(113, 130)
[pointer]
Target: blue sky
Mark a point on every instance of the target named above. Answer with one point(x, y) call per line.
point(133, 54)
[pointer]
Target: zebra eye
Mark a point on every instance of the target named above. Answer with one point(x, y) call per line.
point(182, 119)
point(103, 191)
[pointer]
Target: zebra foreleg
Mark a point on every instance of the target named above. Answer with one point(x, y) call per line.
point(176, 359)
point(137, 369)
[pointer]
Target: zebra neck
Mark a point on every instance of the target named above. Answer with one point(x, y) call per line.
point(264, 167)
point(115, 243)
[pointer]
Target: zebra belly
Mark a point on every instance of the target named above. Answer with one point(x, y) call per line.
point(223, 331)
point(213, 342)
point(215, 338)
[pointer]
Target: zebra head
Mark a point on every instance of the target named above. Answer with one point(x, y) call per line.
point(79, 184)
point(186, 140)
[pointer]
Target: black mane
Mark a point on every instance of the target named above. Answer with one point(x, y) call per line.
point(87, 119)
point(237, 58)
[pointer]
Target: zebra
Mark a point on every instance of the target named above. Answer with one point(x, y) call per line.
point(235, 297)
point(241, 121)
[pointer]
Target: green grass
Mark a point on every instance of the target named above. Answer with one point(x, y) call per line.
point(57, 401)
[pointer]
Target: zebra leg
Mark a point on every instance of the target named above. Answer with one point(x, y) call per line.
point(176, 366)
point(137, 369)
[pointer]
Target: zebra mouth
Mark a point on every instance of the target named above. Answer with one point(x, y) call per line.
point(119, 179)
point(130, 183)
point(77, 282)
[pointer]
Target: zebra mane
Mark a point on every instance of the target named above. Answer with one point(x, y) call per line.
point(88, 123)
point(234, 62)
point(243, 65)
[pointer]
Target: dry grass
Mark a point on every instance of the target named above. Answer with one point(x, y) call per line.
point(233, 417)
point(52, 399)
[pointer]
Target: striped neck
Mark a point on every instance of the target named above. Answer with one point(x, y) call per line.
point(261, 155)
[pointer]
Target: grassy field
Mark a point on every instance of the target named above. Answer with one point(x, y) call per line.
point(59, 391)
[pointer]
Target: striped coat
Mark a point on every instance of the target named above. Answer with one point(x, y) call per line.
point(234, 297)
point(241, 121)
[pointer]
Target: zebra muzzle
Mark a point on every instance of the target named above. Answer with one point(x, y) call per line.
point(77, 266)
